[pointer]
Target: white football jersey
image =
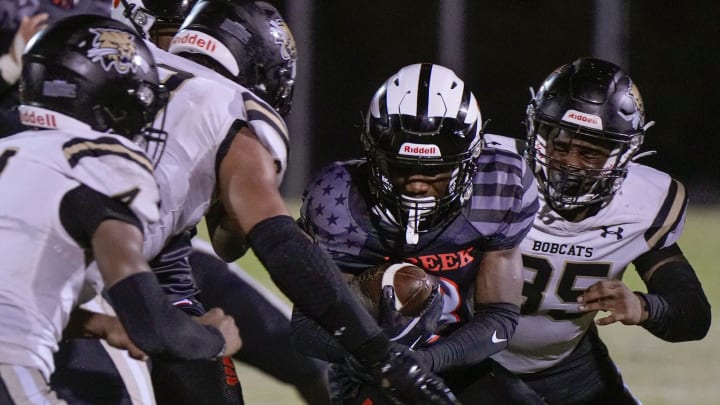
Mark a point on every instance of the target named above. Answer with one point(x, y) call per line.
point(203, 111)
point(562, 259)
point(42, 267)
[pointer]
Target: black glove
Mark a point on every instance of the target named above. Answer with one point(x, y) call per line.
point(403, 379)
point(407, 330)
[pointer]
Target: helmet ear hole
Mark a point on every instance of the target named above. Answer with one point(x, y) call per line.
point(101, 118)
point(257, 79)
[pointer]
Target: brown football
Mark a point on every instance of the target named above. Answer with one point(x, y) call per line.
point(413, 286)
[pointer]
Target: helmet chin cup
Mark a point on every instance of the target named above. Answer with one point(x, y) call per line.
point(418, 209)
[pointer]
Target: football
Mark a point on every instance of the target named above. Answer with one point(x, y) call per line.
point(413, 286)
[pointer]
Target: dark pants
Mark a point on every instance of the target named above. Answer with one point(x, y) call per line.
point(588, 376)
point(85, 374)
point(264, 328)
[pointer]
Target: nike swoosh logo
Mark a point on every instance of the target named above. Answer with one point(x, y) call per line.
point(495, 339)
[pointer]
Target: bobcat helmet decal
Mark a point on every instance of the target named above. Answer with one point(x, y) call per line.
point(117, 50)
point(283, 37)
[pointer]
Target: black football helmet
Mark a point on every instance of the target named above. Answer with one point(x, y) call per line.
point(151, 16)
point(423, 119)
point(250, 43)
point(97, 71)
point(593, 100)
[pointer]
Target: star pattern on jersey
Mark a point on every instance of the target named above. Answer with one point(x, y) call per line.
point(326, 201)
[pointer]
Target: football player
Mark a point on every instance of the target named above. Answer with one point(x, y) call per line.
point(430, 194)
point(270, 74)
point(80, 189)
point(600, 212)
point(228, 148)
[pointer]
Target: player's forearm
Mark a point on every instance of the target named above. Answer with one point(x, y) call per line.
point(486, 334)
point(157, 327)
point(677, 307)
point(312, 340)
point(314, 284)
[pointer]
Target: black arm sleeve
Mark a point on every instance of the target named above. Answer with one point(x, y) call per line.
point(312, 281)
point(83, 209)
point(678, 309)
point(487, 333)
point(157, 327)
point(312, 340)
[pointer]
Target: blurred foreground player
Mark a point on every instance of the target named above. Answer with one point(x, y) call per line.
point(225, 142)
point(79, 189)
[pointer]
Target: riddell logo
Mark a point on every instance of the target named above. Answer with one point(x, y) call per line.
point(31, 119)
point(414, 149)
point(196, 40)
point(586, 120)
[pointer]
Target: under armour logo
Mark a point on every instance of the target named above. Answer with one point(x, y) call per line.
point(606, 231)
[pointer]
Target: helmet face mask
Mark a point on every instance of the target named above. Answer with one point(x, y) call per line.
point(410, 130)
point(584, 126)
point(149, 16)
point(94, 71)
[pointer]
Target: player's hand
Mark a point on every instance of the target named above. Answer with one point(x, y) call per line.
point(102, 326)
point(615, 297)
point(403, 379)
point(28, 27)
point(115, 335)
point(226, 325)
point(408, 330)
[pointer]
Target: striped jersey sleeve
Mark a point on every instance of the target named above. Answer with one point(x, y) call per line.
point(504, 200)
point(269, 127)
point(115, 167)
point(668, 225)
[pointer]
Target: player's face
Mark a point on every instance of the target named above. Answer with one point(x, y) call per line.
point(422, 183)
point(576, 151)
point(574, 160)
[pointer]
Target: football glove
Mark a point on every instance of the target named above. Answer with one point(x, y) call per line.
point(402, 378)
point(407, 330)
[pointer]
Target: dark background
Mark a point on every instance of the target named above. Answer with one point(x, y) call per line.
point(348, 48)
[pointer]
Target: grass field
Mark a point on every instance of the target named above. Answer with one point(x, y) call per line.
point(656, 371)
